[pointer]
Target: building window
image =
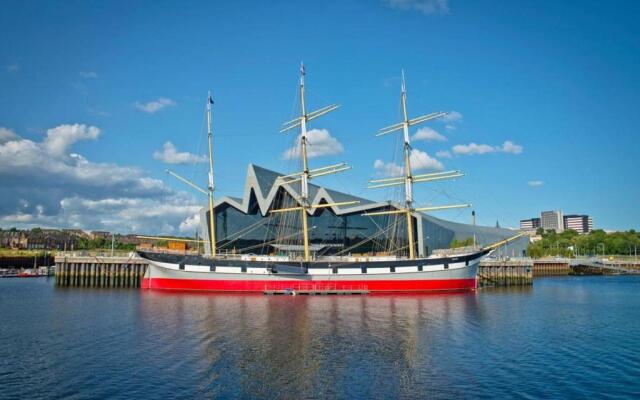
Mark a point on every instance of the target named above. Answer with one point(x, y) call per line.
point(334, 270)
point(446, 265)
point(420, 268)
point(243, 268)
point(392, 269)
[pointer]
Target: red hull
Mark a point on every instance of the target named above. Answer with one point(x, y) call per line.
point(422, 285)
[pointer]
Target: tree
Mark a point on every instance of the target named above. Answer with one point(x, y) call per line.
point(455, 243)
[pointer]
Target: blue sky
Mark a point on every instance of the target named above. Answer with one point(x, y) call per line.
point(558, 81)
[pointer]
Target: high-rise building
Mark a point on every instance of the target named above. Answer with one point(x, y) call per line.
point(552, 220)
point(531, 223)
point(579, 223)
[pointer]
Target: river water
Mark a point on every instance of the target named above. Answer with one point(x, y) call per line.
point(570, 337)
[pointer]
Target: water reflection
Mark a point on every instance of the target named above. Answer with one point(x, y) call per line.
point(314, 346)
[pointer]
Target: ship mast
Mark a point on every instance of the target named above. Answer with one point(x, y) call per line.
point(409, 179)
point(307, 174)
point(304, 184)
point(210, 187)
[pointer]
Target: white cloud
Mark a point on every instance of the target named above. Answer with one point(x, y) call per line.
point(320, 143)
point(428, 134)
point(170, 155)
point(426, 7)
point(419, 161)
point(443, 154)
point(452, 116)
point(510, 147)
point(155, 105)
point(88, 75)
point(61, 137)
point(451, 120)
point(474, 148)
point(44, 183)
point(190, 224)
point(7, 135)
point(535, 183)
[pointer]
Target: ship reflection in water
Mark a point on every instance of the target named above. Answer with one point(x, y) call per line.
point(564, 338)
point(317, 346)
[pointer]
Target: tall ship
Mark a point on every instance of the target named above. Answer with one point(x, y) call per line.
point(294, 263)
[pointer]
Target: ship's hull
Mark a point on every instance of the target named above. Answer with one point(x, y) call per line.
point(179, 272)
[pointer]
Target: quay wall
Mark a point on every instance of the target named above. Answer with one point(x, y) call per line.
point(103, 272)
point(492, 272)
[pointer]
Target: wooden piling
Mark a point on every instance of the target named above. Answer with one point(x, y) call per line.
point(505, 273)
point(99, 272)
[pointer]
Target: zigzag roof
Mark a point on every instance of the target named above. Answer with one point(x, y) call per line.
point(265, 184)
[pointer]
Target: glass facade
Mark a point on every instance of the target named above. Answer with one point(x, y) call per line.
point(250, 232)
point(237, 232)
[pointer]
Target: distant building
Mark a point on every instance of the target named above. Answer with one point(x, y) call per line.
point(13, 239)
point(100, 235)
point(530, 224)
point(579, 223)
point(552, 220)
point(76, 232)
point(51, 239)
point(128, 239)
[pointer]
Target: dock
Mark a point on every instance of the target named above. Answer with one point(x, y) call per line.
point(551, 267)
point(505, 272)
point(122, 271)
point(127, 271)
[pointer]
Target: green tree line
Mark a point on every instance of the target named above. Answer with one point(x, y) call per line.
point(569, 243)
point(102, 243)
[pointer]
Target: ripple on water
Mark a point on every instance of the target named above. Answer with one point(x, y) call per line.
point(563, 338)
